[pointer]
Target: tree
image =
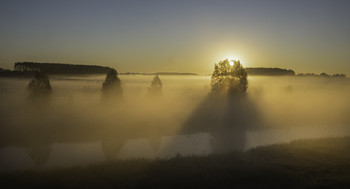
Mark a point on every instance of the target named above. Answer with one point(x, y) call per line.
point(225, 113)
point(324, 75)
point(230, 80)
point(111, 87)
point(39, 87)
point(156, 86)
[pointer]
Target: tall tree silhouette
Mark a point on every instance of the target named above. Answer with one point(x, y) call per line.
point(226, 113)
point(112, 86)
point(39, 87)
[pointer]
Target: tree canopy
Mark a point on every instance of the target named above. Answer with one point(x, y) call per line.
point(39, 87)
point(229, 79)
point(112, 84)
point(156, 86)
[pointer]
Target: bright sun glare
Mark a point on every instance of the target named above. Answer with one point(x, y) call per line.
point(232, 58)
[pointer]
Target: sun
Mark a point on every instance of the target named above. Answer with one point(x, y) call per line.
point(231, 59)
point(231, 62)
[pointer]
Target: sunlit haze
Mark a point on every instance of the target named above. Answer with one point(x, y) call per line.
point(174, 94)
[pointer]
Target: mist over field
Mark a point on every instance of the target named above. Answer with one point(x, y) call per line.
point(175, 94)
point(77, 126)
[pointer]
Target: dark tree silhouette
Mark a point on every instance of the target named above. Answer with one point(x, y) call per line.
point(229, 79)
point(339, 75)
point(39, 87)
point(324, 75)
point(112, 86)
point(156, 86)
point(4, 70)
point(58, 68)
point(226, 113)
point(269, 71)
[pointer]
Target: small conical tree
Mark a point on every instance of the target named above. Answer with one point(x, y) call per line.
point(230, 80)
point(39, 87)
point(156, 86)
point(112, 86)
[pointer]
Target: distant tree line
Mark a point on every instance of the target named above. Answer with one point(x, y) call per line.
point(157, 73)
point(9, 73)
point(58, 68)
point(322, 75)
point(269, 71)
point(4, 70)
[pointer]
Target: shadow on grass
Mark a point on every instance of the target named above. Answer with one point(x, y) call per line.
point(311, 163)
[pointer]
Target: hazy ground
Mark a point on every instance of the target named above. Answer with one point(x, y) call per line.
point(77, 127)
point(309, 163)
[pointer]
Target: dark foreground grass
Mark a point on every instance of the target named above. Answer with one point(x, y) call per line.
point(312, 163)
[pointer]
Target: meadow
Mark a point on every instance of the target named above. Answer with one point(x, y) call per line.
point(308, 163)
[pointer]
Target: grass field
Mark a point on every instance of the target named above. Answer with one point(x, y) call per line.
point(310, 163)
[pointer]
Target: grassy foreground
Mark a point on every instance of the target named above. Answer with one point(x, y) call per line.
point(311, 163)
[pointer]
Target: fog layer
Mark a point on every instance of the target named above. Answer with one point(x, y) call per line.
point(277, 109)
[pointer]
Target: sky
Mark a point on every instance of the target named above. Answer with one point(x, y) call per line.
point(179, 36)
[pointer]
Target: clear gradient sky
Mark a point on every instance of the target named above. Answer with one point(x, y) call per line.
point(183, 36)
